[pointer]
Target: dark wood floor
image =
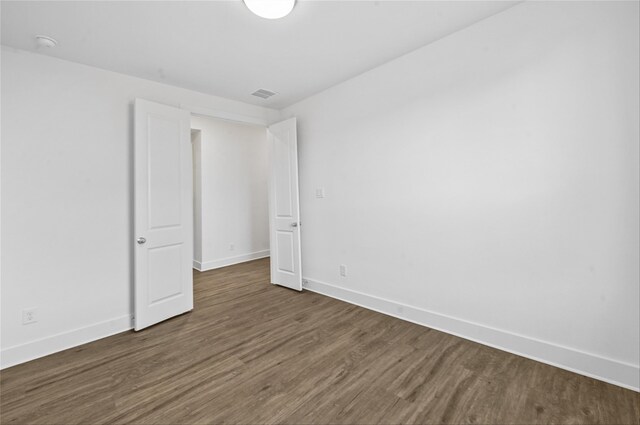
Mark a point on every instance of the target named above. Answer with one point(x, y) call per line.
point(253, 353)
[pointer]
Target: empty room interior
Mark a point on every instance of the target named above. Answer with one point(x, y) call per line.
point(320, 212)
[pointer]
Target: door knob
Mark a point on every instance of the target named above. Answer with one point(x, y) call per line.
point(294, 224)
point(141, 241)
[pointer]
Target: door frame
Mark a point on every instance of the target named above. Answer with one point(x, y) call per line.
point(227, 116)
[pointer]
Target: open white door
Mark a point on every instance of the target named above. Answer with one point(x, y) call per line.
point(163, 213)
point(284, 208)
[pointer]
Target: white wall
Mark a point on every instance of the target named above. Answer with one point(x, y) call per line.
point(67, 198)
point(233, 190)
point(487, 185)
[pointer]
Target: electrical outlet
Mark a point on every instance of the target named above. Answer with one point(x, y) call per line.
point(29, 316)
point(232, 247)
point(320, 192)
point(343, 270)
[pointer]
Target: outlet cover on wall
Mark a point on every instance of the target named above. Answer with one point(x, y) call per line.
point(320, 192)
point(232, 247)
point(343, 270)
point(29, 316)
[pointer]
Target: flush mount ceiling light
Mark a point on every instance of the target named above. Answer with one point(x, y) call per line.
point(270, 9)
point(44, 41)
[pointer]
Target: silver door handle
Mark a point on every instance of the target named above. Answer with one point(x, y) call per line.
point(141, 241)
point(294, 224)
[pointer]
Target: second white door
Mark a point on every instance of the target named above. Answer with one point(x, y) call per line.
point(284, 207)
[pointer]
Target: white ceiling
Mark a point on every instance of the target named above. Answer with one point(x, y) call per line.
point(221, 48)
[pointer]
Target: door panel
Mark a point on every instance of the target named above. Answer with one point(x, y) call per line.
point(282, 157)
point(284, 209)
point(165, 270)
point(285, 243)
point(163, 213)
point(165, 167)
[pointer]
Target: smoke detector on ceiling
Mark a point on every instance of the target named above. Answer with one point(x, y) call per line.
point(265, 94)
point(44, 41)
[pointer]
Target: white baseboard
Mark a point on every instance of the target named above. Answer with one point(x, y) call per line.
point(229, 261)
point(22, 353)
point(612, 371)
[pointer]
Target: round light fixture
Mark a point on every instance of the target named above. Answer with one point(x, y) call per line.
point(270, 9)
point(44, 41)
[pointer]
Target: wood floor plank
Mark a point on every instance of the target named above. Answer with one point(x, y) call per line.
point(252, 352)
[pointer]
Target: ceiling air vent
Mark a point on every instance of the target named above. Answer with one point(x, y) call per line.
point(265, 94)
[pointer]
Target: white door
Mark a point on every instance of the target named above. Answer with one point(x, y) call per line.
point(163, 213)
point(284, 209)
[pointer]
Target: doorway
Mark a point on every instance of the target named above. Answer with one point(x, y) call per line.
point(245, 202)
point(230, 191)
